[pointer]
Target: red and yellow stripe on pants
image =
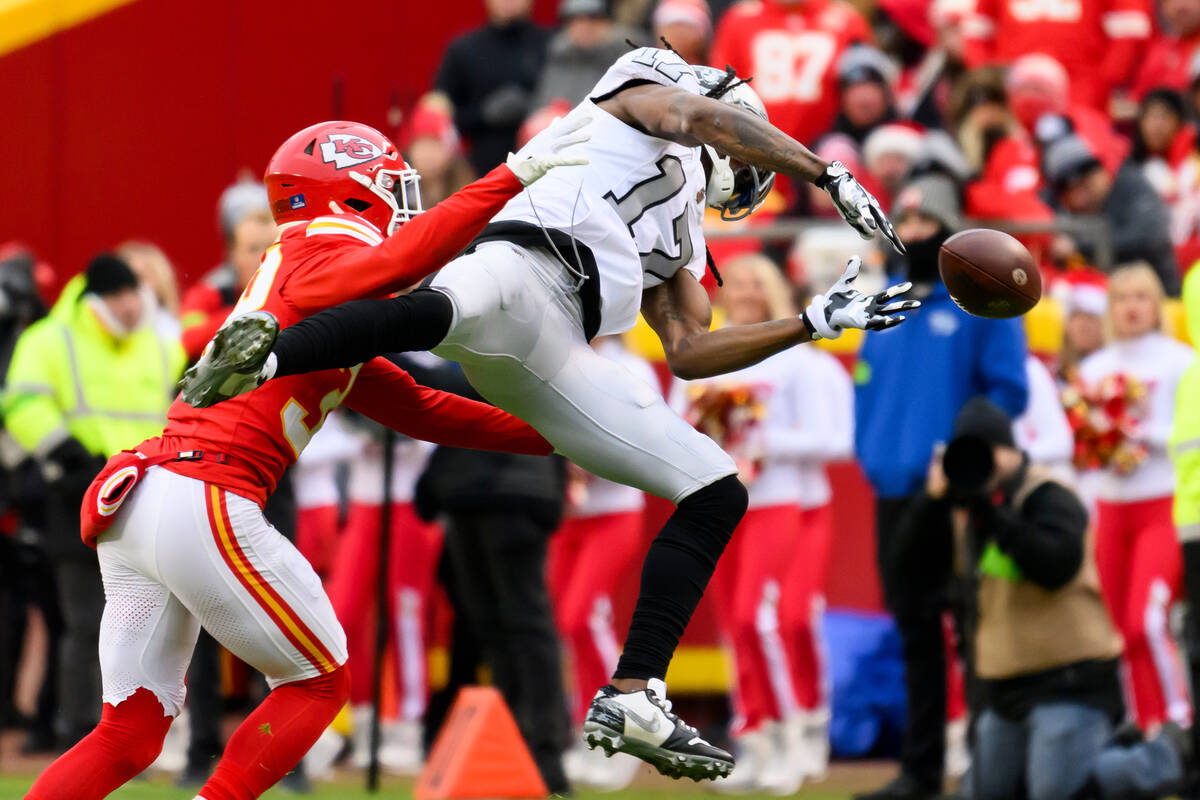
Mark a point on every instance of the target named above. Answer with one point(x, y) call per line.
point(290, 623)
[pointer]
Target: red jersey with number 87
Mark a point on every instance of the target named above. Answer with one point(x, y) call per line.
point(791, 51)
point(316, 265)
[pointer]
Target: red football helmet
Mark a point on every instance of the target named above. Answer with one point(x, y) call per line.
point(343, 168)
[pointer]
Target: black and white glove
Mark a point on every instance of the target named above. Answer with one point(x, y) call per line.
point(843, 307)
point(544, 154)
point(857, 206)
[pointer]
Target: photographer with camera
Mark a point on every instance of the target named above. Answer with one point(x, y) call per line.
point(1042, 650)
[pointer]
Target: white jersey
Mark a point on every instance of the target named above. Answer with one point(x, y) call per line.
point(1158, 361)
point(638, 205)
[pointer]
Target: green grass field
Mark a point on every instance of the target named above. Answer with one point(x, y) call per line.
point(14, 787)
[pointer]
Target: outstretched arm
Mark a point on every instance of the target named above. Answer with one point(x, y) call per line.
point(390, 396)
point(678, 115)
point(679, 312)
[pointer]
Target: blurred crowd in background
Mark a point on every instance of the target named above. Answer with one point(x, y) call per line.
point(1070, 123)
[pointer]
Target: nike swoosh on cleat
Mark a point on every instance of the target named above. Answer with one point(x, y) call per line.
point(648, 725)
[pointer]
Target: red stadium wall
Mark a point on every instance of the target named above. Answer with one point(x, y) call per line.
point(130, 125)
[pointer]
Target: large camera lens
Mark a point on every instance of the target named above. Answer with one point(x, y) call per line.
point(968, 463)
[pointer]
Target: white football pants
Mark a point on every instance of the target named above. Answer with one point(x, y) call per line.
point(183, 553)
point(518, 334)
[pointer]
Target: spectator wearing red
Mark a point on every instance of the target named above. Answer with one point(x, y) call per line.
point(791, 48)
point(1001, 156)
point(1038, 86)
point(1185, 210)
point(1097, 41)
point(1169, 55)
point(1164, 146)
point(433, 148)
point(687, 25)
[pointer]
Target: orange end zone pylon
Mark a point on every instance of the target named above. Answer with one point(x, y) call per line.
point(479, 753)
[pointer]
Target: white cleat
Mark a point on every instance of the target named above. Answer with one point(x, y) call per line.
point(641, 724)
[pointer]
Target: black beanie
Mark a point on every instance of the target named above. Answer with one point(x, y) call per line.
point(1167, 97)
point(107, 274)
point(985, 420)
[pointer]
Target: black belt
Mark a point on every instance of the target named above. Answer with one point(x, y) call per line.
point(532, 237)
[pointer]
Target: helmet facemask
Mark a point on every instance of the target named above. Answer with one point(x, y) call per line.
point(399, 189)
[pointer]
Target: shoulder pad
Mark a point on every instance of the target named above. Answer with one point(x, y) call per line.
point(344, 225)
point(647, 64)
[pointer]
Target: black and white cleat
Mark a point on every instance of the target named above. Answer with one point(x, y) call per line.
point(233, 362)
point(641, 723)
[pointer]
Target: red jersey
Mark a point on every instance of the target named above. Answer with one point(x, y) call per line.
point(791, 51)
point(319, 264)
point(1097, 41)
point(1166, 64)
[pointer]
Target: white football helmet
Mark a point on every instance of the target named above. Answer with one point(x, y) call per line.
point(736, 193)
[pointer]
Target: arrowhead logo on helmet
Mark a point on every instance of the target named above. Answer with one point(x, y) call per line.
point(347, 150)
point(344, 168)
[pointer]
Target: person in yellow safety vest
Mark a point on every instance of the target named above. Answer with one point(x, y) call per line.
point(1184, 447)
point(86, 381)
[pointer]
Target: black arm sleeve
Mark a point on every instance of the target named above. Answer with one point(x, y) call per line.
point(1046, 537)
point(355, 332)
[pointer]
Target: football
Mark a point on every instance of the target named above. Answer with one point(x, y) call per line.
point(989, 273)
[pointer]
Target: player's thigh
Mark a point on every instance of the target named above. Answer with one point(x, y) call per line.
point(253, 591)
point(501, 296)
point(146, 635)
point(602, 417)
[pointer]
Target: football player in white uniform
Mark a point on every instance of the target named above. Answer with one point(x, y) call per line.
point(576, 256)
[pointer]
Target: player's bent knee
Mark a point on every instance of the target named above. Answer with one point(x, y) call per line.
point(725, 500)
point(707, 518)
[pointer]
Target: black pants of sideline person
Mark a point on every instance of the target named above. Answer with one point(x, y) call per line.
point(914, 584)
point(499, 563)
point(81, 602)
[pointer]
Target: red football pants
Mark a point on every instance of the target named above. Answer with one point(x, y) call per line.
point(587, 558)
point(749, 585)
point(412, 564)
point(1141, 573)
point(317, 536)
point(802, 607)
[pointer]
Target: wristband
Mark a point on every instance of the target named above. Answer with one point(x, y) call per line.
point(814, 319)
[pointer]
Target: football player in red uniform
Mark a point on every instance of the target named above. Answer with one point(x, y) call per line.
point(189, 546)
point(791, 47)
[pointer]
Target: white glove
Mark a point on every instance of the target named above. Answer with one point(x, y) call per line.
point(545, 153)
point(856, 205)
point(843, 307)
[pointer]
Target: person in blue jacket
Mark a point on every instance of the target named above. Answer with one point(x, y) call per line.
point(910, 383)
